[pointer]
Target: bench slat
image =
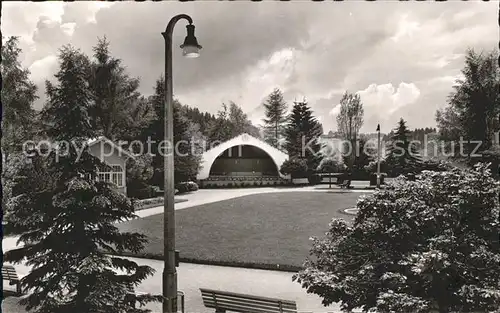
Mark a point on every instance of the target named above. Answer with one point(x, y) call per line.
point(248, 309)
point(270, 307)
point(250, 302)
point(243, 296)
point(262, 301)
point(9, 273)
point(245, 303)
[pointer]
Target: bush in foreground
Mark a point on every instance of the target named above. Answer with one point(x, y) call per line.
point(429, 245)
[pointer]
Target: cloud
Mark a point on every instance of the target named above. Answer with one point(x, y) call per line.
point(40, 68)
point(68, 28)
point(306, 49)
point(380, 102)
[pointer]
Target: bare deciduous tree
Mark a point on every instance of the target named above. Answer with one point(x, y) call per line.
point(350, 120)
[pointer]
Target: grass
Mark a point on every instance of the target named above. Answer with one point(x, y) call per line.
point(258, 231)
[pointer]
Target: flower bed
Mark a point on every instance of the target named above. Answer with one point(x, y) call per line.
point(152, 202)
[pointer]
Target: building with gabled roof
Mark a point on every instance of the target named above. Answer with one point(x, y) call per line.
point(114, 156)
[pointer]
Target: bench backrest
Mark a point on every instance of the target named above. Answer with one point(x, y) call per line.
point(235, 302)
point(9, 273)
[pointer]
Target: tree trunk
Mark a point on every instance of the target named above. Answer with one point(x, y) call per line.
point(276, 133)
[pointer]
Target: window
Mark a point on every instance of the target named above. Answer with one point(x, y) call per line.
point(113, 175)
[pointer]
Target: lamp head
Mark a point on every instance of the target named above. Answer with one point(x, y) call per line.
point(190, 47)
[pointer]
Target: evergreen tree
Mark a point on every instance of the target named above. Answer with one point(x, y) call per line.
point(402, 157)
point(18, 95)
point(203, 120)
point(66, 219)
point(301, 135)
point(186, 163)
point(219, 130)
point(119, 110)
point(139, 116)
point(275, 121)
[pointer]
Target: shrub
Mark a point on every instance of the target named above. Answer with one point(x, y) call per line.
point(261, 183)
point(146, 192)
point(182, 187)
point(256, 183)
point(295, 167)
point(433, 165)
point(139, 173)
point(314, 179)
point(192, 186)
point(441, 255)
point(275, 183)
point(331, 165)
point(230, 185)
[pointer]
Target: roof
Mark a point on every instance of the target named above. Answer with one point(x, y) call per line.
point(120, 150)
point(210, 155)
point(246, 138)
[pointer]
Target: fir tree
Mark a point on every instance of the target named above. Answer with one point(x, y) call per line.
point(18, 95)
point(66, 219)
point(186, 164)
point(402, 157)
point(119, 110)
point(220, 130)
point(275, 121)
point(302, 133)
point(199, 118)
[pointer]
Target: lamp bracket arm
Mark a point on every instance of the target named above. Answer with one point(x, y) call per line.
point(170, 27)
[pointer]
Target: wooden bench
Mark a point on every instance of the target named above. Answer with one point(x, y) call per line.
point(223, 301)
point(346, 184)
point(9, 273)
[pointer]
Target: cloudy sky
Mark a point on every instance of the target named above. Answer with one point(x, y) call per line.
point(402, 58)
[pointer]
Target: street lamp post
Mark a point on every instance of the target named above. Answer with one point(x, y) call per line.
point(378, 156)
point(191, 50)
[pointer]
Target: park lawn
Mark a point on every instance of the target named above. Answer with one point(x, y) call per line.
point(259, 231)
